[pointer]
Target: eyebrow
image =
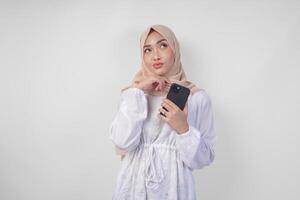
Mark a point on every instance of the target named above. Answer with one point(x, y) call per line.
point(156, 43)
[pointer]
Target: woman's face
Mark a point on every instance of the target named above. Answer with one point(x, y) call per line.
point(157, 54)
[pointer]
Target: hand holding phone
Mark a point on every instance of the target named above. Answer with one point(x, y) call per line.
point(176, 118)
point(178, 94)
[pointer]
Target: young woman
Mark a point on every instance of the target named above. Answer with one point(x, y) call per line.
point(161, 151)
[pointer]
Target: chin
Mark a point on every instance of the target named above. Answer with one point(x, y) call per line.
point(159, 71)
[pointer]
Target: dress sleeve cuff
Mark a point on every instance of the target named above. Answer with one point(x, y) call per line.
point(187, 143)
point(188, 134)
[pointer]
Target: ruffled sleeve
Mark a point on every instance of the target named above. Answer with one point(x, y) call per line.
point(126, 127)
point(196, 146)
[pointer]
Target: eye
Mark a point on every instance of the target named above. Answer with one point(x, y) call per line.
point(163, 45)
point(147, 50)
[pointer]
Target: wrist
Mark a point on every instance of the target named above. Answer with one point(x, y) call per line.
point(183, 129)
point(136, 85)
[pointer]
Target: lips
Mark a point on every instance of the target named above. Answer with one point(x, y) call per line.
point(157, 65)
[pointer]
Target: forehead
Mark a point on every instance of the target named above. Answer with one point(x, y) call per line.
point(153, 37)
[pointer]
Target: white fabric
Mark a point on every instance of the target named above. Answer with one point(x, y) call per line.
point(160, 162)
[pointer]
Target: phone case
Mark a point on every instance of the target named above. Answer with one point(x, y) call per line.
point(178, 94)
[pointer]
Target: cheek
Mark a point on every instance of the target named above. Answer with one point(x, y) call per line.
point(148, 63)
point(147, 60)
point(170, 57)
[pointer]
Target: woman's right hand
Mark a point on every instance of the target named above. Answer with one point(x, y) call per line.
point(153, 84)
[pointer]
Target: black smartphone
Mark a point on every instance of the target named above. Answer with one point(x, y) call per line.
point(178, 94)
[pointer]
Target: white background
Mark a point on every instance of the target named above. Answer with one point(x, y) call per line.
point(63, 63)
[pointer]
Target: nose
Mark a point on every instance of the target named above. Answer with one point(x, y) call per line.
point(156, 54)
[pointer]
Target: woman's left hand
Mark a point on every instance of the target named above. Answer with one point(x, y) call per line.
point(175, 117)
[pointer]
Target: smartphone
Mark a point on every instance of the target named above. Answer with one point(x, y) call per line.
point(178, 94)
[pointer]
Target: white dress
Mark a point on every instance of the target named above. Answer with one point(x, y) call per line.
point(160, 162)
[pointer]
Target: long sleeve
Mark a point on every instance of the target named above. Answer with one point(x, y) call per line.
point(126, 128)
point(196, 146)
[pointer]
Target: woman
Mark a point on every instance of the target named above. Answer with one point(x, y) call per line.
point(161, 151)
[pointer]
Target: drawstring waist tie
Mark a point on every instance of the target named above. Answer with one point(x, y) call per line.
point(154, 171)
